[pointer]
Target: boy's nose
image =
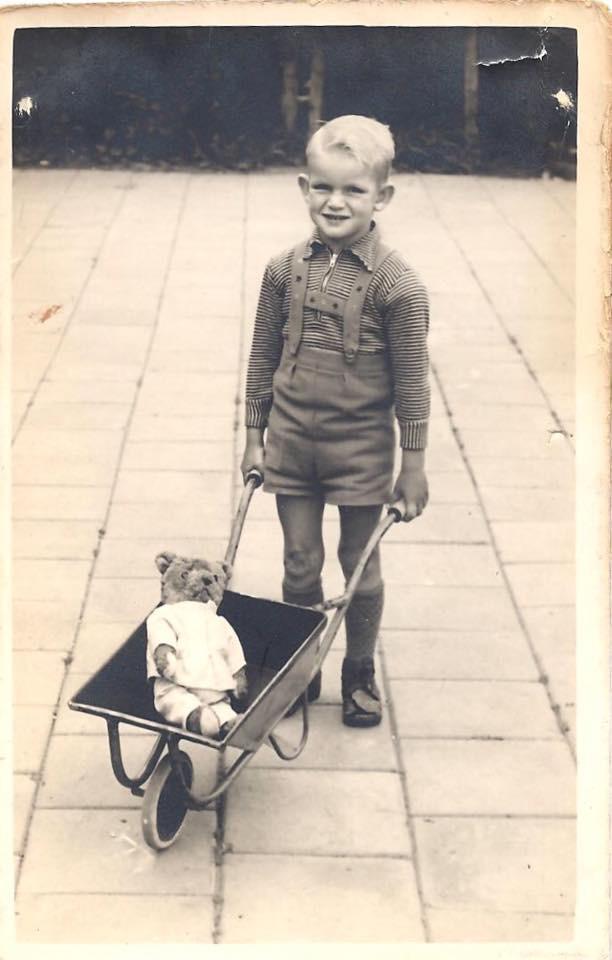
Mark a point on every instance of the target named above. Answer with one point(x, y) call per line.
point(335, 201)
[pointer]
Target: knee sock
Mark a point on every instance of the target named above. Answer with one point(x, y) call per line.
point(362, 623)
point(303, 598)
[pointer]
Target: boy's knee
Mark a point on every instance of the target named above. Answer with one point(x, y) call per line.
point(303, 568)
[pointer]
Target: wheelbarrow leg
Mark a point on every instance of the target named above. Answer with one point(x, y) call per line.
point(114, 742)
point(281, 748)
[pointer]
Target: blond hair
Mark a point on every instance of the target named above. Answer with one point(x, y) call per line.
point(367, 140)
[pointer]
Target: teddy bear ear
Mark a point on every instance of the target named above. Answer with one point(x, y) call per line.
point(163, 560)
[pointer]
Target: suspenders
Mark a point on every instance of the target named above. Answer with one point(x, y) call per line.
point(348, 309)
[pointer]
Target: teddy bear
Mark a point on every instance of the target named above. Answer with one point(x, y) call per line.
point(194, 655)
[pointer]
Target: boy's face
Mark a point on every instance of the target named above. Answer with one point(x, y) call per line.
point(342, 195)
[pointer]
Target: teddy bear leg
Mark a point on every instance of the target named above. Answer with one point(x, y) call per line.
point(208, 721)
point(203, 720)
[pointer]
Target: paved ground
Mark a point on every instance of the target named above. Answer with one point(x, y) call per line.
point(455, 819)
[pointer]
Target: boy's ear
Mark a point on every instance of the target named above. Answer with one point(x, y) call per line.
point(385, 195)
point(304, 184)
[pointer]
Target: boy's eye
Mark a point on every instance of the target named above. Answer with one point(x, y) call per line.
point(355, 189)
point(320, 186)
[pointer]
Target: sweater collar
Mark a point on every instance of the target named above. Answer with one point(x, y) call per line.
point(364, 248)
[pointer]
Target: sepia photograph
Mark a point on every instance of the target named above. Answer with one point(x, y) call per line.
point(243, 255)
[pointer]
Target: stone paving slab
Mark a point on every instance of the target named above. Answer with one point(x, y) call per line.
point(480, 778)
point(152, 427)
point(54, 539)
point(75, 918)
point(79, 416)
point(320, 899)
point(456, 655)
point(528, 505)
point(42, 625)
point(121, 598)
point(478, 708)
point(45, 457)
point(97, 642)
point(165, 519)
point(522, 864)
point(136, 557)
point(450, 608)
point(443, 523)
point(30, 502)
point(37, 676)
point(493, 926)
point(85, 391)
point(32, 725)
point(538, 542)
point(437, 565)
point(543, 584)
point(112, 839)
point(307, 811)
point(91, 783)
point(508, 474)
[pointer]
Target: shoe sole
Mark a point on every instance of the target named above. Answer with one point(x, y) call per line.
point(363, 721)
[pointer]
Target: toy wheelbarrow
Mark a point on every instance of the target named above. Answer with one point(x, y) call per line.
point(284, 646)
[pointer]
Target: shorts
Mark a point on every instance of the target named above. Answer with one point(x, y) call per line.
point(331, 430)
point(175, 702)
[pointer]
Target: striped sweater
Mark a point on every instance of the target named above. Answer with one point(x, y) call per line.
point(395, 318)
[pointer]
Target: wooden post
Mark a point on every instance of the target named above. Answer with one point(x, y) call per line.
point(315, 89)
point(470, 93)
point(289, 95)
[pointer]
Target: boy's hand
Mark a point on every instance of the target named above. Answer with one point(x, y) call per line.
point(411, 484)
point(253, 456)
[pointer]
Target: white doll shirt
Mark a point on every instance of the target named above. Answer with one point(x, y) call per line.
point(208, 652)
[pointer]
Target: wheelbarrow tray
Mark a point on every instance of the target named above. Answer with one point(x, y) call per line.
point(281, 644)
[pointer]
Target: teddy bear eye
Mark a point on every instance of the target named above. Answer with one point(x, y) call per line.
point(184, 574)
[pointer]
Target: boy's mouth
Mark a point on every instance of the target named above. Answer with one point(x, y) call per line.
point(335, 217)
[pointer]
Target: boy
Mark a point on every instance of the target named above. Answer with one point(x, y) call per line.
point(339, 342)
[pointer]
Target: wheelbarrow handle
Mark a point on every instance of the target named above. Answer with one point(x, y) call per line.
point(254, 479)
point(395, 512)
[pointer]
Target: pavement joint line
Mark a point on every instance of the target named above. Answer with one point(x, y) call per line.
point(221, 804)
point(50, 213)
point(323, 855)
point(70, 654)
point(69, 319)
point(403, 779)
point(492, 197)
point(556, 709)
point(483, 738)
point(511, 338)
point(496, 816)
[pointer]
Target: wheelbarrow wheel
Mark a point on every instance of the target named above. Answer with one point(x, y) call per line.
point(164, 805)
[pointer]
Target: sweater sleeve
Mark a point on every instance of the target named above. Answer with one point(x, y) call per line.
point(266, 349)
point(407, 323)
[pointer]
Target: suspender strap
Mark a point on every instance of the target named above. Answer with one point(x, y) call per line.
point(299, 279)
point(355, 301)
point(347, 309)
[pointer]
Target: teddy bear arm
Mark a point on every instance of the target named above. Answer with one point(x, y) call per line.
point(241, 682)
point(164, 656)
